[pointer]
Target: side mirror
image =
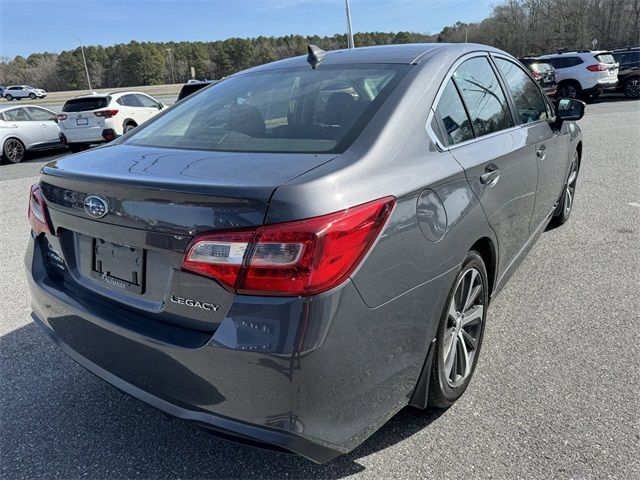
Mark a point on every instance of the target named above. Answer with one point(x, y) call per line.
point(569, 109)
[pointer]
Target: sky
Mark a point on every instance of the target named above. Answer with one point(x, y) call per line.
point(44, 25)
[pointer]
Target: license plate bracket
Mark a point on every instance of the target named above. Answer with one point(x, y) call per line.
point(82, 121)
point(120, 267)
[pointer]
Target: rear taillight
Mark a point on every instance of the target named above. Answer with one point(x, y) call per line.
point(38, 216)
point(597, 67)
point(106, 113)
point(60, 117)
point(304, 257)
point(536, 75)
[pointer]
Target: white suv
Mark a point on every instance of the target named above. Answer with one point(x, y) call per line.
point(101, 118)
point(584, 73)
point(19, 92)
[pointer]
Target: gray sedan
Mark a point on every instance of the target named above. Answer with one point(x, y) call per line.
point(291, 256)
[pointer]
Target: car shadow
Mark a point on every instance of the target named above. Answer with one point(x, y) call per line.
point(59, 420)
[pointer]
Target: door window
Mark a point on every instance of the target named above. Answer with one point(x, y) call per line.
point(17, 115)
point(129, 101)
point(147, 102)
point(483, 96)
point(527, 97)
point(40, 114)
point(452, 117)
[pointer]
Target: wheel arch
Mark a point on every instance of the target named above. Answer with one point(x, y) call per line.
point(487, 250)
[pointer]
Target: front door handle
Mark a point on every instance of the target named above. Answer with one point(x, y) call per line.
point(542, 152)
point(490, 176)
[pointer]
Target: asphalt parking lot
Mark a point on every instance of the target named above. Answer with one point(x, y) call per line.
point(556, 393)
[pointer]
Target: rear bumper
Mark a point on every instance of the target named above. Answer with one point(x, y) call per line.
point(320, 375)
point(84, 135)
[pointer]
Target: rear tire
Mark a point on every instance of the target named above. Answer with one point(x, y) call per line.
point(128, 127)
point(13, 150)
point(631, 88)
point(8, 97)
point(563, 212)
point(460, 333)
point(569, 90)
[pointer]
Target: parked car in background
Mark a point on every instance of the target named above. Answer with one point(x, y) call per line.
point(192, 87)
point(93, 119)
point(26, 128)
point(18, 92)
point(584, 73)
point(293, 256)
point(629, 71)
point(543, 72)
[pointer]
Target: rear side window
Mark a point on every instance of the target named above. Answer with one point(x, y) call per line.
point(452, 117)
point(130, 100)
point(526, 95)
point(605, 58)
point(483, 96)
point(85, 104)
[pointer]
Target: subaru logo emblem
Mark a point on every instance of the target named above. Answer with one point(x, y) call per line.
point(95, 206)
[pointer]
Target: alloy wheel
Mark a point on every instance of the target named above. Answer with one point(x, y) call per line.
point(632, 88)
point(14, 150)
point(568, 91)
point(571, 186)
point(464, 327)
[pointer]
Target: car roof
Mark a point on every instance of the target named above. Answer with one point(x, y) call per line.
point(408, 54)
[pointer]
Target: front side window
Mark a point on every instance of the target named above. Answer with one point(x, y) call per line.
point(454, 122)
point(527, 97)
point(287, 110)
point(147, 102)
point(483, 96)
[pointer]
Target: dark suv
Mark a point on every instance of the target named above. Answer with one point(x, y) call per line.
point(543, 72)
point(629, 71)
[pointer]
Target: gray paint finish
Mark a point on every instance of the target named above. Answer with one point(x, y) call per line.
point(316, 375)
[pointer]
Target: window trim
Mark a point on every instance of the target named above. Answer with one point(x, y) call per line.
point(432, 111)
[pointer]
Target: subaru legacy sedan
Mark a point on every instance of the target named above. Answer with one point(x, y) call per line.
point(293, 255)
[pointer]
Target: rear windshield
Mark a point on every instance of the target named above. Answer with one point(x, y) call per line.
point(84, 104)
point(288, 110)
point(605, 58)
point(540, 66)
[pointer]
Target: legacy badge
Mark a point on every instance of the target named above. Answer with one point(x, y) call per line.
point(194, 303)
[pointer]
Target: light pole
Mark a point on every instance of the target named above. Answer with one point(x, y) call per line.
point(173, 77)
point(349, 28)
point(86, 69)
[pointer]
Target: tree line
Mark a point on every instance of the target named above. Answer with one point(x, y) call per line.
point(521, 27)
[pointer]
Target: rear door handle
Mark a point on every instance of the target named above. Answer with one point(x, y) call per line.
point(490, 177)
point(542, 152)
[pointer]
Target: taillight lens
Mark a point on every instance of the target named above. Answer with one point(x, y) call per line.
point(598, 67)
point(304, 257)
point(536, 74)
point(61, 117)
point(106, 113)
point(37, 214)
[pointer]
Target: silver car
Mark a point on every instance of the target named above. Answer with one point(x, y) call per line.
point(25, 128)
point(18, 92)
point(294, 254)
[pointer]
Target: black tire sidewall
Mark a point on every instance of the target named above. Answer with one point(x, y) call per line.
point(4, 152)
point(441, 394)
point(624, 89)
point(32, 96)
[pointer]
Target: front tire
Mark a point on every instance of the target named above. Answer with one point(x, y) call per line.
point(32, 96)
point(13, 150)
point(460, 333)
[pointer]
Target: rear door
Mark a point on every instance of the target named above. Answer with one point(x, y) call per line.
point(29, 131)
point(47, 124)
point(498, 157)
point(551, 147)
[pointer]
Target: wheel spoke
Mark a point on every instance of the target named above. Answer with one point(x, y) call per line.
point(451, 358)
point(463, 357)
point(452, 308)
point(473, 316)
point(572, 177)
point(469, 340)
